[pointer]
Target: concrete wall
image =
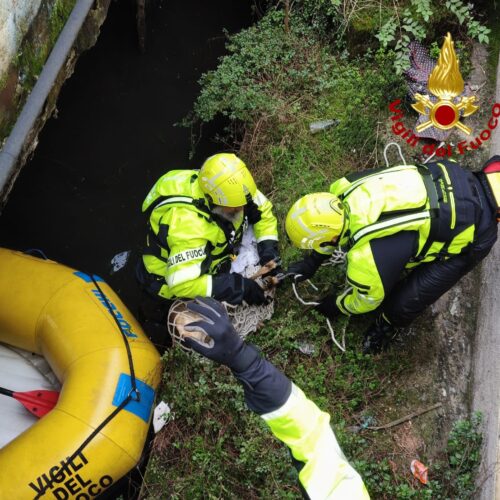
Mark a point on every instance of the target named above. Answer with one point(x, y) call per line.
point(16, 17)
point(486, 387)
point(63, 29)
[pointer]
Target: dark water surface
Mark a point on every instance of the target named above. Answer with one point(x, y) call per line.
point(79, 198)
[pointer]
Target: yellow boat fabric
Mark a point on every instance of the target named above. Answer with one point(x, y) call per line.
point(59, 313)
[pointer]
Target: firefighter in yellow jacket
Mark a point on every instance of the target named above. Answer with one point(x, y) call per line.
point(410, 233)
point(324, 472)
point(196, 221)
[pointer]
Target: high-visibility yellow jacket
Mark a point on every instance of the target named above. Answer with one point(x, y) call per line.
point(186, 244)
point(305, 429)
point(436, 201)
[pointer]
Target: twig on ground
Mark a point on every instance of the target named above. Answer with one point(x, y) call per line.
point(405, 419)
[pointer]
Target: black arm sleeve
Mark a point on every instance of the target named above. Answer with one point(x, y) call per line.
point(391, 254)
point(268, 250)
point(228, 287)
point(266, 388)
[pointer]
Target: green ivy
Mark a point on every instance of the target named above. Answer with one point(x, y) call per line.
point(413, 22)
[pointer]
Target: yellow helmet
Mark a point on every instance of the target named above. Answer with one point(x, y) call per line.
point(315, 219)
point(226, 180)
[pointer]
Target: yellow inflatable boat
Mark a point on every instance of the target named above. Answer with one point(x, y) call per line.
point(108, 369)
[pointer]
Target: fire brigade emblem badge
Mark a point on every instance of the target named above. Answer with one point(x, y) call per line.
point(446, 84)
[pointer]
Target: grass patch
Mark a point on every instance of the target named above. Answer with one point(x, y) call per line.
point(280, 76)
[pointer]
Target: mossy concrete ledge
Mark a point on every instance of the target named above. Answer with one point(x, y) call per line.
point(79, 33)
point(486, 383)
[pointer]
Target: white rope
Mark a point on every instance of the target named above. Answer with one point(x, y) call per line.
point(399, 150)
point(332, 333)
point(433, 154)
point(312, 285)
point(300, 299)
point(247, 319)
point(338, 257)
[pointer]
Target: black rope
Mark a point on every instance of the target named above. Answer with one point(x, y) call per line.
point(124, 337)
point(34, 251)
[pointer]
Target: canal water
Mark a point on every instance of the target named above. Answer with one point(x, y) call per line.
point(79, 198)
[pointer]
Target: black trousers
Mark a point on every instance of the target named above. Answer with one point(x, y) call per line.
point(426, 283)
point(153, 309)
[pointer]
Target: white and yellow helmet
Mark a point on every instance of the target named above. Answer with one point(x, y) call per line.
point(314, 220)
point(226, 180)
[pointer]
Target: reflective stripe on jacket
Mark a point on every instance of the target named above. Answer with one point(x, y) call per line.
point(306, 430)
point(437, 201)
point(186, 243)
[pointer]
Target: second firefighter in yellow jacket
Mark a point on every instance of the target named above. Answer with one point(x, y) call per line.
point(196, 220)
point(437, 221)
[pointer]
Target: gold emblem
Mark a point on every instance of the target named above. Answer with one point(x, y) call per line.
point(446, 83)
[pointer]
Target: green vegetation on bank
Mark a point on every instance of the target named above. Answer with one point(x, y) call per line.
point(32, 55)
point(284, 73)
point(35, 50)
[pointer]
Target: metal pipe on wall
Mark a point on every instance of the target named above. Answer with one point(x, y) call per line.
point(33, 107)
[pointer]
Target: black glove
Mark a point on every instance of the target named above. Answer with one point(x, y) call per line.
point(228, 287)
point(253, 294)
point(226, 347)
point(252, 212)
point(268, 250)
point(305, 268)
point(378, 336)
point(234, 289)
point(266, 388)
point(328, 307)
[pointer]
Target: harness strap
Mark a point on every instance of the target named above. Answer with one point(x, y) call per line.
point(430, 187)
point(391, 222)
point(199, 204)
point(157, 242)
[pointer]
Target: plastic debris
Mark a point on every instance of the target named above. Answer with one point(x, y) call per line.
point(119, 261)
point(316, 127)
point(306, 348)
point(160, 416)
point(366, 422)
point(419, 471)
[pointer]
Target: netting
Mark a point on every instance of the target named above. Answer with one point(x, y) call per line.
point(245, 318)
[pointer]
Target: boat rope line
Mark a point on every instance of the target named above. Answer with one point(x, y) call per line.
point(134, 389)
point(34, 251)
point(337, 258)
point(133, 395)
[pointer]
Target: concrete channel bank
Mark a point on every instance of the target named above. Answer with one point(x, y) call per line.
point(79, 34)
point(486, 370)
